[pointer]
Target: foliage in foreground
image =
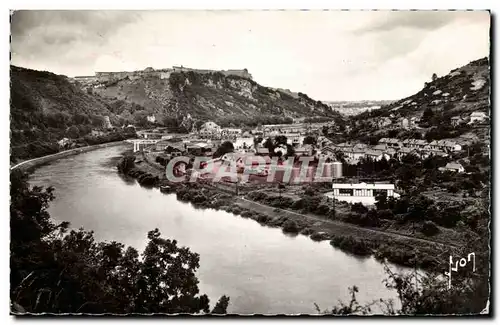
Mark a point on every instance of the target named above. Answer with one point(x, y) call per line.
point(56, 270)
point(419, 294)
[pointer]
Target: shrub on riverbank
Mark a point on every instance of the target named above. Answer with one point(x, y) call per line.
point(307, 231)
point(320, 236)
point(429, 228)
point(352, 245)
point(290, 226)
point(127, 166)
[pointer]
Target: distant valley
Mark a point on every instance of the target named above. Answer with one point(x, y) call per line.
point(350, 108)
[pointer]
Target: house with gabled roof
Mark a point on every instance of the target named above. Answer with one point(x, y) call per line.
point(406, 151)
point(454, 167)
point(376, 154)
point(477, 117)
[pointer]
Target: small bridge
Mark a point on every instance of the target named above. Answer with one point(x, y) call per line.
point(142, 142)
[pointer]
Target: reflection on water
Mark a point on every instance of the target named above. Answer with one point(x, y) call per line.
point(262, 269)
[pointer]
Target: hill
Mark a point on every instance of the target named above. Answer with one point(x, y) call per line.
point(189, 97)
point(463, 90)
point(45, 108)
point(429, 112)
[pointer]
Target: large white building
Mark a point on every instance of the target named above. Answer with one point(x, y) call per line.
point(210, 128)
point(230, 132)
point(360, 192)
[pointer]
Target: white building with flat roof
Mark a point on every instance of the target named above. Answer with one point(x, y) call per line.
point(360, 192)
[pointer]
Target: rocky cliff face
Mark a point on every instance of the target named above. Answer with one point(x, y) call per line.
point(462, 91)
point(440, 110)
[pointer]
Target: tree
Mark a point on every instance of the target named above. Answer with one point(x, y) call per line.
point(434, 77)
point(381, 200)
point(53, 271)
point(427, 115)
point(269, 144)
point(126, 164)
point(310, 140)
point(429, 228)
point(225, 147)
point(280, 140)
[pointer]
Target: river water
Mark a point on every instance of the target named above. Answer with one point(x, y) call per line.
point(261, 269)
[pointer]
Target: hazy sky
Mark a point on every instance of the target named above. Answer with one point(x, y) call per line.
point(329, 55)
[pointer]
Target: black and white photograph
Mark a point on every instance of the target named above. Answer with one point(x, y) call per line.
point(250, 162)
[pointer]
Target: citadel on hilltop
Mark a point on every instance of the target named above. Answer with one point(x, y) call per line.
point(160, 73)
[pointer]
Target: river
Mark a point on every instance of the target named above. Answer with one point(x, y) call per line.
point(261, 269)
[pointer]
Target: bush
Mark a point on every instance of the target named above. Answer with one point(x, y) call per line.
point(298, 205)
point(258, 196)
point(307, 231)
point(319, 236)
point(310, 191)
point(429, 228)
point(323, 210)
point(262, 218)
point(359, 208)
point(332, 214)
point(351, 245)
point(385, 214)
point(290, 226)
point(247, 214)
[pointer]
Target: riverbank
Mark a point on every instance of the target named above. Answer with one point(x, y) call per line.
point(396, 248)
point(36, 162)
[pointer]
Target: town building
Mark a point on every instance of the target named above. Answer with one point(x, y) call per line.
point(391, 142)
point(230, 132)
point(405, 124)
point(209, 129)
point(407, 151)
point(305, 150)
point(445, 145)
point(294, 139)
point(414, 122)
point(477, 117)
point(383, 122)
point(243, 143)
point(376, 155)
point(328, 151)
point(454, 167)
point(360, 192)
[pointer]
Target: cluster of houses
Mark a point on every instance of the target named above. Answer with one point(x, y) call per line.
point(211, 130)
point(392, 148)
point(395, 122)
point(474, 117)
point(412, 123)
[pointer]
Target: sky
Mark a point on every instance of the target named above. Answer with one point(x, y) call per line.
point(329, 55)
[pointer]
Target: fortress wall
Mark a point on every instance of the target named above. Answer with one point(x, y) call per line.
point(162, 73)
